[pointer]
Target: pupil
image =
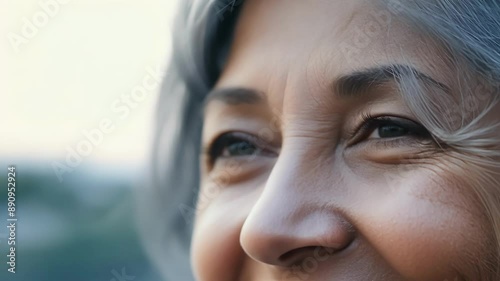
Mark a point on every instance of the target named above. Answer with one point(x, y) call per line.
point(391, 131)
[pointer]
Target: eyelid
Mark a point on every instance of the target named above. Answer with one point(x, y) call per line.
point(361, 132)
point(208, 147)
point(261, 144)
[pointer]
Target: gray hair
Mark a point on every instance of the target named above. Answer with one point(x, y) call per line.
point(469, 34)
point(469, 31)
point(201, 40)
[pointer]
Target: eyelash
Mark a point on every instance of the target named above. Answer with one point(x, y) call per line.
point(367, 126)
point(222, 142)
point(370, 123)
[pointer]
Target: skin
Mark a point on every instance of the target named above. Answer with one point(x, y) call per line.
point(318, 200)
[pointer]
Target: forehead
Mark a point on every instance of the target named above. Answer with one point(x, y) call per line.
point(295, 45)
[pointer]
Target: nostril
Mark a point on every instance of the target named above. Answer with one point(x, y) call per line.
point(318, 253)
point(296, 256)
point(293, 254)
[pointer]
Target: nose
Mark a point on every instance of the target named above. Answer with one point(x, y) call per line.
point(292, 220)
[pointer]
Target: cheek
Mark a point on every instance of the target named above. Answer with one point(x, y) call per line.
point(213, 252)
point(424, 228)
point(216, 254)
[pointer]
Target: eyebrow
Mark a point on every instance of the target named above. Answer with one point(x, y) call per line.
point(348, 85)
point(235, 96)
point(353, 84)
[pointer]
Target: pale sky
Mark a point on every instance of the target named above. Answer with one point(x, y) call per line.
point(66, 65)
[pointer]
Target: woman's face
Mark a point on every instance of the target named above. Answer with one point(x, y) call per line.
point(313, 166)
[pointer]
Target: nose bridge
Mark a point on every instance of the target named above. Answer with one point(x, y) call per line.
point(284, 195)
point(291, 187)
point(289, 216)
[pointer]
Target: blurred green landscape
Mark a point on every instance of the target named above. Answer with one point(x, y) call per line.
point(83, 229)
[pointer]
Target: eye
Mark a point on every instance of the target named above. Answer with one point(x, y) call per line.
point(236, 144)
point(389, 130)
point(231, 146)
point(390, 127)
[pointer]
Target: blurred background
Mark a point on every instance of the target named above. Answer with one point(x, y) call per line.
point(79, 80)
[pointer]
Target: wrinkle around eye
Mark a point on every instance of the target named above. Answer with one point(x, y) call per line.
point(400, 150)
point(234, 171)
point(229, 170)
